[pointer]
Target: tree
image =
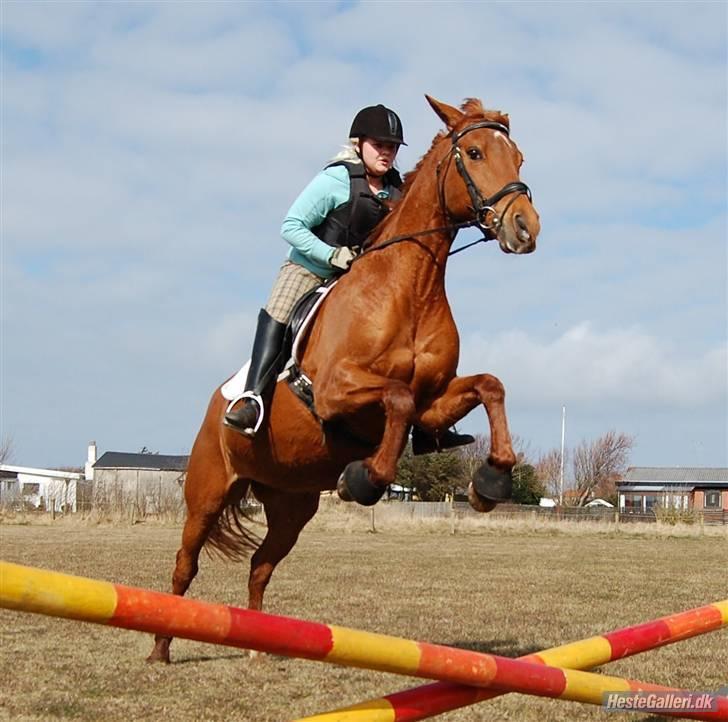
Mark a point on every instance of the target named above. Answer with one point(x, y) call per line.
point(598, 464)
point(431, 476)
point(6, 450)
point(473, 455)
point(521, 448)
point(548, 471)
point(527, 487)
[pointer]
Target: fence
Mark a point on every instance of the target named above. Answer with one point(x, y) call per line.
point(153, 496)
point(444, 509)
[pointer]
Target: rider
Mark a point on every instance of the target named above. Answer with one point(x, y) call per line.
point(326, 227)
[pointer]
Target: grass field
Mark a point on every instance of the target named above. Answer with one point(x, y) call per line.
point(504, 588)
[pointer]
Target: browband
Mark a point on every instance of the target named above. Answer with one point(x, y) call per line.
point(482, 124)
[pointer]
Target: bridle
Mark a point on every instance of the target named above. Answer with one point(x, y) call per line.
point(480, 205)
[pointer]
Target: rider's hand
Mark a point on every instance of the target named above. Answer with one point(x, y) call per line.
point(342, 257)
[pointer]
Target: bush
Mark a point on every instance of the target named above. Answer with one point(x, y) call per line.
point(432, 476)
point(527, 487)
point(671, 515)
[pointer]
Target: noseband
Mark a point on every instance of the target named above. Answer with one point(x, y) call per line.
point(480, 205)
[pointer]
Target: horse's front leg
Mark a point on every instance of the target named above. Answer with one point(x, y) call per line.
point(349, 390)
point(492, 481)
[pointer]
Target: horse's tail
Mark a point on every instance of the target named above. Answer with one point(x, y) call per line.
point(230, 537)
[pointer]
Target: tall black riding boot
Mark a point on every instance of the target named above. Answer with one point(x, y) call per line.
point(265, 364)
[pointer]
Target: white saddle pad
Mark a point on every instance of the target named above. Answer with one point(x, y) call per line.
point(234, 387)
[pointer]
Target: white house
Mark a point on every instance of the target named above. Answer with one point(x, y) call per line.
point(41, 488)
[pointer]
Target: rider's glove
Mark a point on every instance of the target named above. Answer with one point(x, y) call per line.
point(342, 257)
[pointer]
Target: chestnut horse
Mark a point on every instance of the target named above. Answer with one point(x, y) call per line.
point(383, 355)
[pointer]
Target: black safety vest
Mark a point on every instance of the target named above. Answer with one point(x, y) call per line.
point(351, 223)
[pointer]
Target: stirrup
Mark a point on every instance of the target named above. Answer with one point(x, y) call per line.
point(250, 432)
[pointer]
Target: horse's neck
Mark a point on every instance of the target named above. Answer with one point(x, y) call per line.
point(415, 265)
point(416, 217)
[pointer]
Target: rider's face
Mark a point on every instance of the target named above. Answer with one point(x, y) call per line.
point(378, 155)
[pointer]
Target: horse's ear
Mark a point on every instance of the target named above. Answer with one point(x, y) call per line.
point(449, 115)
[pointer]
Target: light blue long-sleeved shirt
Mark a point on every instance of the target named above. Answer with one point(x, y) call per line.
point(326, 192)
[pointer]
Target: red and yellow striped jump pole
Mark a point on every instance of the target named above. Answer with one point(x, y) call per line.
point(46, 592)
point(440, 697)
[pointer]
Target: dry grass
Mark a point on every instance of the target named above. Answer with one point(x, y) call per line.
point(499, 586)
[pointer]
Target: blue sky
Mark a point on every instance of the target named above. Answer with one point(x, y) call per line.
point(150, 151)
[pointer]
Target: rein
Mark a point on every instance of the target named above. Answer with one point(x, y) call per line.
point(481, 205)
point(412, 237)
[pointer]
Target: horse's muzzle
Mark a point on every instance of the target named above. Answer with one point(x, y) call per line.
point(520, 230)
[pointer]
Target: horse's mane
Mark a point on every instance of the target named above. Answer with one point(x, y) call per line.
point(473, 111)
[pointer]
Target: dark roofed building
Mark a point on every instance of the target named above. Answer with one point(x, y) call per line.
point(702, 489)
point(157, 462)
point(142, 483)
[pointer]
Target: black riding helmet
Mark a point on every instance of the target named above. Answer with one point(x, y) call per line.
point(378, 123)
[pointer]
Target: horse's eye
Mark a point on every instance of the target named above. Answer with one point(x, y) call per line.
point(474, 153)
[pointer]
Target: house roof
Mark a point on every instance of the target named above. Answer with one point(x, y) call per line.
point(6, 469)
point(675, 475)
point(156, 462)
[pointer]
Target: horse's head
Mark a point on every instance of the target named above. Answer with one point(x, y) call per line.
point(478, 175)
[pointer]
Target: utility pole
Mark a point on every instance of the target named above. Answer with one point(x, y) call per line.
point(561, 471)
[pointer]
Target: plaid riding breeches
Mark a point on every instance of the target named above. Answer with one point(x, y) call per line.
point(292, 283)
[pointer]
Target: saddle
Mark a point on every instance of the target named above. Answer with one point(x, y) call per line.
point(294, 338)
point(302, 319)
point(297, 332)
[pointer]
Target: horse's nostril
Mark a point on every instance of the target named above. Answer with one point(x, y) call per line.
point(521, 228)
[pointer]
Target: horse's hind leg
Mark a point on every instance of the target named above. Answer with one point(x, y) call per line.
point(286, 515)
point(461, 396)
point(206, 489)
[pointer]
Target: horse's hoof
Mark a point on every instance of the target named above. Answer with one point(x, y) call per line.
point(493, 484)
point(160, 653)
point(156, 657)
point(343, 490)
point(354, 485)
point(477, 502)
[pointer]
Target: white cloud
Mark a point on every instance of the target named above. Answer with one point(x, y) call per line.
point(590, 365)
